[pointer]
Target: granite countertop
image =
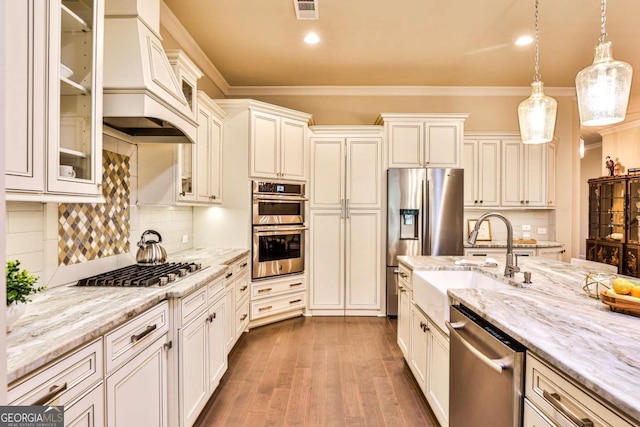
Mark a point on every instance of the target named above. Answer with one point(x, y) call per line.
point(556, 320)
point(503, 244)
point(63, 318)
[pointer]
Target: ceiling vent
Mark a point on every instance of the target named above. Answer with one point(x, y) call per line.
point(306, 9)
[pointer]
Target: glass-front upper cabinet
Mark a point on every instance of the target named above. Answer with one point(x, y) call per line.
point(612, 206)
point(594, 213)
point(634, 210)
point(74, 163)
point(188, 75)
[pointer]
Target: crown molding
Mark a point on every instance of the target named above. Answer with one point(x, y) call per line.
point(174, 27)
point(393, 91)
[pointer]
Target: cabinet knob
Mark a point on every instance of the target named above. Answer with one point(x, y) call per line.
point(527, 202)
point(521, 202)
point(475, 201)
point(182, 193)
point(480, 201)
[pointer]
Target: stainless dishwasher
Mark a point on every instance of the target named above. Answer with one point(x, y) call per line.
point(486, 373)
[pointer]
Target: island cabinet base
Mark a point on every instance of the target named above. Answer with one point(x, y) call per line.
point(555, 399)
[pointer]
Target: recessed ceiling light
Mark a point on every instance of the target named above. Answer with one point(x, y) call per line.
point(312, 38)
point(524, 40)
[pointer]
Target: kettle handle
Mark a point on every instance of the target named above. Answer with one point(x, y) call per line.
point(148, 232)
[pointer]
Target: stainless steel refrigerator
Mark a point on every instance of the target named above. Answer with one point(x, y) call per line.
point(424, 217)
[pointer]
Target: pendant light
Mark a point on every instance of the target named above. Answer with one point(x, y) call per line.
point(537, 114)
point(603, 87)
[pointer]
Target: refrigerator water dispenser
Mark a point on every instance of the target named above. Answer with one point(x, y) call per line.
point(409, 224)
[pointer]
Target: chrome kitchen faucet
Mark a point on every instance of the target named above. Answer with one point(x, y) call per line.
point(510, 268)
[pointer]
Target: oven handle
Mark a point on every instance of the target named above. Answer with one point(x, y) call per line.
point(275, 198)
point(276, 229)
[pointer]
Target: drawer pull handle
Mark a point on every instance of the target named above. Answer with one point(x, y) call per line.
point(269, 307)
point(54, 391)
point(211, 317)
point(244, 288)
point(244, 316)
point(295, 284)
point(554, 399)
point(150, 328)
point(403, 274)
point(295, 301)
point(243, 265)
point(264, 290)
point(228, 275)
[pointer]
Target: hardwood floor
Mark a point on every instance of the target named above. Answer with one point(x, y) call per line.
point(318, 371)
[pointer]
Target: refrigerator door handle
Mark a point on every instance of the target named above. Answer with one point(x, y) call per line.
point(426, 232)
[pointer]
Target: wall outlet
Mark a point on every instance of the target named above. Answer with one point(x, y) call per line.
point(526, 228)
point(185, 238)
point(542, 230)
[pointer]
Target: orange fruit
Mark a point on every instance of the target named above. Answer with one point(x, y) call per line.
point(635, 291)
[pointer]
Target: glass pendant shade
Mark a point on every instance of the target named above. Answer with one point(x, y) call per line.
point(603, 89)
point(537, 116)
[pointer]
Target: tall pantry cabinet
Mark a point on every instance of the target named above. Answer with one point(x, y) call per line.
point(345, 198)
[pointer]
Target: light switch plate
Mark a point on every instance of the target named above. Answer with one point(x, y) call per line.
point(526, 227)
point(185, 238)
point(542, 230)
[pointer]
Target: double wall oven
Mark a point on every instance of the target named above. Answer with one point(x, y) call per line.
point(278, 229)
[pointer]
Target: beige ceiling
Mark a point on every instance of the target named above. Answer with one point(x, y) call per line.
point(410, 42)
point(406, 42)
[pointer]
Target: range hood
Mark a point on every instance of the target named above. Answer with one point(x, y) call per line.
point(141, 94)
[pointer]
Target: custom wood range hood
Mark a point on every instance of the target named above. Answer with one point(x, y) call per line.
point(142, 96)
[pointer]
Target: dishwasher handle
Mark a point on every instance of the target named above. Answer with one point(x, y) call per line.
point(495, 364)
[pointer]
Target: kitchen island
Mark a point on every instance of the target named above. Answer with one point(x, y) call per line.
point(60, 319)
point(556, 320)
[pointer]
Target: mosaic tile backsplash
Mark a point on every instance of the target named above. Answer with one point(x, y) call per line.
point(88, 231)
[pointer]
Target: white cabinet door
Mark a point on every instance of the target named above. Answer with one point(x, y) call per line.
point(327, 173)
point(535, 169)
point(88, 411)
point(230, 323)
point(551, 253)
point(327, 260)
point(443, 144)
point(216, 343)
point(470, 166)
point(265, 148)
point(215, 162)
point(551, 175)
point(533, 417)
point(406, 144)
point(437, 380)
point(203, 154)
point(419, 342)
point(364, 173)
point(137, 392)
point(404, 320)
point(293, 149)
point(363, 262)
point(488, 172)
point(24, 91)
point(512, 174)
point(193, 368)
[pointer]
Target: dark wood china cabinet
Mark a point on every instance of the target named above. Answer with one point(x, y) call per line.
point(614, 222)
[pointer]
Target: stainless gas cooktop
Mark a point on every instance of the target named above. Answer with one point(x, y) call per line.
point(142, 275)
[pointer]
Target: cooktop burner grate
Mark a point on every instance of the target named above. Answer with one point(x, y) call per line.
point(142, 275)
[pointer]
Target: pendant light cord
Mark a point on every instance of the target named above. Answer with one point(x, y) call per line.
point(603, 22)
point(536, 77)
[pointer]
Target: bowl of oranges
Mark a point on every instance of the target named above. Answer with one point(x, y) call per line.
point(623, 297)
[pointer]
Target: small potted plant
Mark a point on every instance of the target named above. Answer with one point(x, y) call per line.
point(20, 284)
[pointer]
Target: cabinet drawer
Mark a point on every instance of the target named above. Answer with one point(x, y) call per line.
point(242, 287)
point(242, 317)
point(405, 276)
point(215, 289)
point(559, 399)
point(241, 267)
point(267, 307)
point(267, 289)
point(192, 305)
point(62, 381)
point(131, 338)
point(533, 417)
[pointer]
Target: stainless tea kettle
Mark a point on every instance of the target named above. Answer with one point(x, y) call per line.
point(150, 252)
